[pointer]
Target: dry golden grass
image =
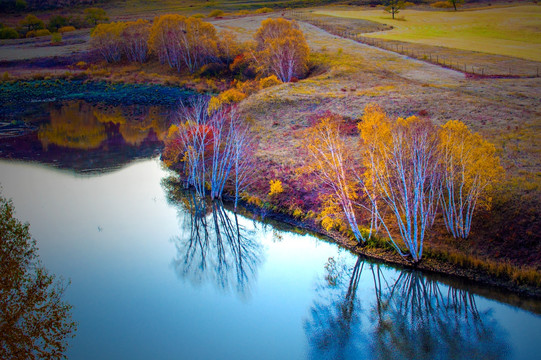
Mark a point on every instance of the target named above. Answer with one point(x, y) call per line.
point(348, 76)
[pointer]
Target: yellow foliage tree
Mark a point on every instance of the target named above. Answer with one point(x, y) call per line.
point(282, 49)
point(183, 42)
point(229, 46)
point(107, 40)
point(332, 163)
point(469, 168)
point(402, 174)
point(135, 40)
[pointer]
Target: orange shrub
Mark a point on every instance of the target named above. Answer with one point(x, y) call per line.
point(269, 81)
point(442, 5)
point(226, 97)
point(65, 29)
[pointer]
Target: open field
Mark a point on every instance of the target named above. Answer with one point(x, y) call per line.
point(512, 31)
point(472, 62)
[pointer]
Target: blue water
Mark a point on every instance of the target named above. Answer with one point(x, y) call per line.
point(138, 295)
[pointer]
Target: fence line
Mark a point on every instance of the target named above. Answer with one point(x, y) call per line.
point(401, 48)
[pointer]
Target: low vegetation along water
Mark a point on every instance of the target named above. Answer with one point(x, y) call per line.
point(151, 278)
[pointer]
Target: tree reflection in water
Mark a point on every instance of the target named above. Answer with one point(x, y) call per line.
point(81, 125)
point(214, 247)
point(408, 317)
point(34, 321)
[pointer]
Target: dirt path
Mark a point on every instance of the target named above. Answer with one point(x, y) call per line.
point(401, 65)
point(37, 48)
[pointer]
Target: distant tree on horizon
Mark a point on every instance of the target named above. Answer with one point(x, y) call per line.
point(394, 6)
point(456, 3)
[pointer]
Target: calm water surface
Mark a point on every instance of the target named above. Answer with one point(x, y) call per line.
point(149, 280)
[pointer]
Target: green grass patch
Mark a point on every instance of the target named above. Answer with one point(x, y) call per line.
point(511, 31)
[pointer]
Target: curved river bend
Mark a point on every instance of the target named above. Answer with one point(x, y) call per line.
point(151, 279)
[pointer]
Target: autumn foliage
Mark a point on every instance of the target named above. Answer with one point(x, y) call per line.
point(469, 167)
point(282, 49)
point(406, 172)
point(107, 40)
point(183, 42)
point(402, 174)
point(135, 35)
point(122, 39)
point(415, 169)
point(280, 52)
point(332, 163)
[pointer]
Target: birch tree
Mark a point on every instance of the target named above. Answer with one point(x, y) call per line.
point(330, 161)
point(469, 168)
point(282, 49)
point(211, 148)
point(135, 39)
point(404, 176)
point(183, 42)
point(245, 144)
point(107, 40)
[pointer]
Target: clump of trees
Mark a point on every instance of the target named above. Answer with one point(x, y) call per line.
point(409, 170)
point(118, 39)
point(183, 42)
point(402, 174)
point(136, 35)
point(281, 49)
point(107, 40)
point(193, 45)
point(332, 163)
point(211, 148)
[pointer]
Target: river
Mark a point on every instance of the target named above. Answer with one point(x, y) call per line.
point(152, 280)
